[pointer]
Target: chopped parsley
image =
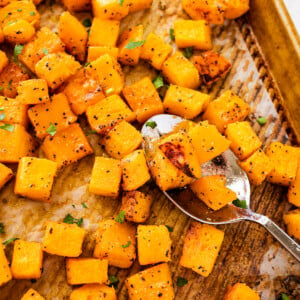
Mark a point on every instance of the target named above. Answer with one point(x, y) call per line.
point(10, 241)
point(32, 13)
point(109, 91)
point(151, 124)
point(120, 217)
point(2, 116)
point(87, 22)
point(261, 121)
point(126, 245)
point(69, 219)
point(9, 84)
point(181, 281)
point(17, 51)
point(46, 51)
point(84, 205)
point(158, 81)
point(188, 52)
point(240, 203)
point(2, 228)
point(170, 229)
point(51, 129)
point(113, 281)
point(121, 2)
point(91, 132)
point(132, 45)
point(87, 64)
point(1, 108)
point(7, 127)
point(285, 296)
point(1, 88)
point(172, 35)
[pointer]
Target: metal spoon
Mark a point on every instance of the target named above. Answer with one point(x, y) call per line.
point(237, 180)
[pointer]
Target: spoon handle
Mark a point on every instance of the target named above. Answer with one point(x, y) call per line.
point(278, 233)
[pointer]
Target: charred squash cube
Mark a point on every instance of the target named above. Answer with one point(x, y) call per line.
point(77, 5)
point(292, 222)
point(235, 9)
point(137, 5)
point(3, 60)
point(109, 9)
point(5, 274)
point(31, 294)
point(94, 291)
point(18, 32)
point(95, 52)
point(240, 291)
point(5, 175)
point(294, 189)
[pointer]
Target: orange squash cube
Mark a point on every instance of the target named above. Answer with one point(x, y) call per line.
point(257, 167)
point(67, 146)
point(57, 111)
point(226, 109)
point(104, 32)
point(154, 244)
point(122, 140)
point(15, 143)
point(35, 177)
point(240, 291)
point(95, 52)
point(135, 170)
point(292, 222)
point(5, 175)
point(285, 161)
point(236, 8)
point(63, 239)
point(27, 260)
point(31, 294)
point(3, 60)
point(77, 5)
point(137, 5)
point(106, 177)
point(185, 102)
point(116, 243)
point(201, 248)
point(73, 34)
point(188, 75)
point(46, 41)
point(136, 206)
point(5, 274)
point(293, 192)
point(86, 270)
point(109, 9)
point(93, 292)
point(155, 51)
point(18, 32)
point(144, 99)
point(104, 115)
point(154, 283)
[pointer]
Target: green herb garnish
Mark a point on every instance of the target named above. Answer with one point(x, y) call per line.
point(84, 205)
point(172, 35)
point(91, 132)
point(151, 124)
point(126, 245)
point(8, 127)
point(9, 84)
point(240, 203)
point(32, 13)
point(2, 228)
point(261, 121)
point(285, 296)
point(188, 52)
point(2, 117)
point(158, 81)
point(10, 241)
point(87, 22)
point(113, 281)
point(69, 219)
point(121, 2)
point(181, 281)
point(17, 51)
point(170, 229)
point(1, 108)
point(46, 52)
point(109, 91)
point(120, 217)
point(132, 45)
point(51, 129)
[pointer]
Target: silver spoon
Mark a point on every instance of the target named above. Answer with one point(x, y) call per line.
point(237, 180)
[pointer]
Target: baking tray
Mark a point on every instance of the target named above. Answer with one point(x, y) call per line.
point(265, 72)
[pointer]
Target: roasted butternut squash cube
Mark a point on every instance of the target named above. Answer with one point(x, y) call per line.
point(185, 102)
point(116, 243)
point(63, 239)
point(3, 60)
point(77, 5)
point(240, 291)
point(155, 51)
point(244, 140)
point(86, 270)
point(57, 111)
point(104, 32)
point(236, 8)
point(56, 68)
point(293, 192)
point(122, 140)
point(67, 146)
point(33, 91)
point(226, 109)
point(201, 248)
point(27, 260)
point(153, 283)
point(94, 291)
point(73, 34)
point(18, 32)
point(154, 244)
point(46, 41)
point(257, 167)
point(5, 274)
point(106, 177)
point(188, 75)
point(31, 294)
point(95, 52)
point(285, 161)
point(137, 5)
point(104, 115)
point(135, 170)
point(109, 9)
point(5, 175)
point(292, 222)
point(15, 142)
point(128, 56)
point(144, 99)
point(136, 206)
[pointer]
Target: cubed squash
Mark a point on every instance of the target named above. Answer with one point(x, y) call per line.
point(27, 260)
point(86, 270)
point(257, 167)
point(104, 115)
point(93, 292)
point(185, 102)
point(129, 53)
point(31, 294)
point(63, 239)
point(294, 189)
point(154, 283)
point(236, 8)
point(95, 52)
point(3, 60)
point(15, 142)
point(285, 161)
point(240, 291)
point(56, 68)
point(178, 70)
point(122, 140)
point(45, 42)
point(144, 99)
point(18, 32)
point(67, 146)
point(35, 177)
point(77, 5)
point(201, 248)
point(5, 274)
point(136, 206)
point(5, 175)
point(244, 140)
point(104, 32)
point(109, 9)
point(213, 192)
point(226, 109)
point(135, 170)
point(137, 5)
point(57, 111)
point(116, 243)
point(155, 51)
point(154, 244)
point(211, 66)
point(33, 91)
point(106, 177)
point(73, 34)
point(292, 222)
